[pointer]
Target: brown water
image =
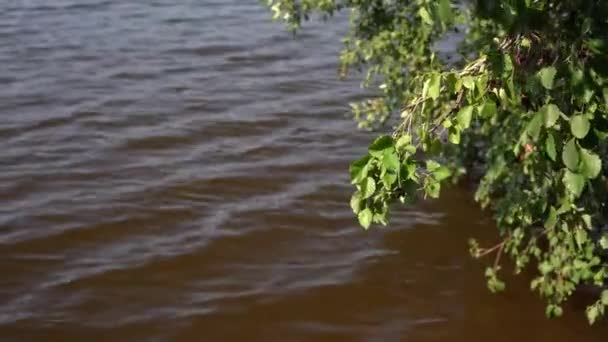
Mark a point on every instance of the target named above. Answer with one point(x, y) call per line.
point(176, 171)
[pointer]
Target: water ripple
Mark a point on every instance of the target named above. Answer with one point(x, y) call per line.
point(172, 169)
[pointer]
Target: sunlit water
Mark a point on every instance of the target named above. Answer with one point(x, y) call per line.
point(176, 171)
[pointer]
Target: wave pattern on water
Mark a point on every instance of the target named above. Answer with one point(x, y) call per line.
point(177, 170)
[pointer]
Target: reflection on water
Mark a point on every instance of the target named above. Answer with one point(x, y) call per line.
point(177, 171)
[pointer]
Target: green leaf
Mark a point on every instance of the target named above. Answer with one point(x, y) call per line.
point(534, 126)
point(579, 125)
point(550, 147)
point(403, 141)
point(365, 218)
point(468, 82)
point(570, 155)
point(574, 182)
point(604, 297)
point(587, 219)
point(445, 11)
point(596, 45)
point(390, 160)
point(552, 219)
point(391, 165)
point(355, 202)
point(487, 109)
point(544, 267)
point(434, 86)
point(426, 17)
point(432, 165)
point(495, 285)
point(591, 109)
point(591, 164)
point(547, 76)
point(604, 241)
point(389, 179)
point(565, 205)
point(425, 88)
point(442, 173)
point(551, 114)
point(592, 313)
point(588, 95)
point(408, 171)
point(436, 147)
point(557, 311)
point(382, 143)
point(432, 188)
point(380, 218)
point(553, 310)
point(451, 83)
point(358, 169)
point(368, 187)
point(576, 77)
point(580, 236)
point(507, 64)
point(454, 135)
point(464, 116)
point(481, 84)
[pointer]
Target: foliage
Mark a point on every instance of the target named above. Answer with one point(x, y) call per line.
point(523, 110)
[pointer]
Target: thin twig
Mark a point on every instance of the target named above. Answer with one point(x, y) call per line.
point(492, 249)
point(498, 254)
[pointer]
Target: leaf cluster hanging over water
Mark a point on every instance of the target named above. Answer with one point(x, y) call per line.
point(522, 110)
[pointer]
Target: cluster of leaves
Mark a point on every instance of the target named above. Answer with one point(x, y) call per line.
point(523, 110)
point(389, 171)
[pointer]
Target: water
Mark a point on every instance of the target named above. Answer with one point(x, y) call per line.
point(176, 171)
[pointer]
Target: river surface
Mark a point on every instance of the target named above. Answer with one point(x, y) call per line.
point(177, 171)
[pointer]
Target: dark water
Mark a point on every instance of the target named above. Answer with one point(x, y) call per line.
point(176, 171)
